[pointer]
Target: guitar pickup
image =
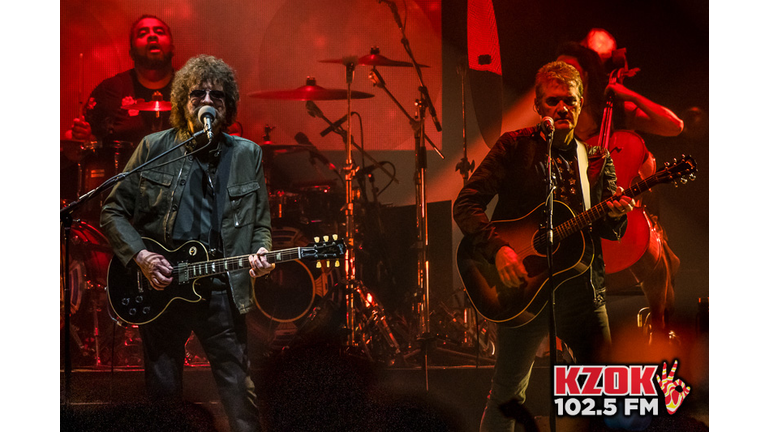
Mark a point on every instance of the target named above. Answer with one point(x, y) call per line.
point(183, 272)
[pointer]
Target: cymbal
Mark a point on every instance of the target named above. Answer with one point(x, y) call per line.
point(310, 91)
point(374, 60)
point(149, 106)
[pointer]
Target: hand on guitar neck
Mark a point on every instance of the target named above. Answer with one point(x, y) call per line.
point(259, 265)
point(620, 204)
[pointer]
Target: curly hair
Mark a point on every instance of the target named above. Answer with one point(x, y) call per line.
point(560, 72)
point(201, 69)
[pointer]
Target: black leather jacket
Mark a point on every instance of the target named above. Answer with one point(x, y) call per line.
point(146, 204)
point(515, 170)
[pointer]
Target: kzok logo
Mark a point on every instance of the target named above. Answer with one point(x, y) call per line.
point(577, 387)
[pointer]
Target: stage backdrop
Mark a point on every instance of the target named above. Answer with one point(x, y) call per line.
point(272, 45)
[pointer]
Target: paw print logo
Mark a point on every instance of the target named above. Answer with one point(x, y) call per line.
point(675, 390)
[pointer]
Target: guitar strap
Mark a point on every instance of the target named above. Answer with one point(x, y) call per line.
point(220, 178)
point(583, 163)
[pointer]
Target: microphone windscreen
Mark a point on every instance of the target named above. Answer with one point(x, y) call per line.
point(206, 111)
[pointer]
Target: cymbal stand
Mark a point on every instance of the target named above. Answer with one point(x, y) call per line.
point(424, 103)
point(349, 213)
point(464, 167)
point(378, 81)
point(314, 111)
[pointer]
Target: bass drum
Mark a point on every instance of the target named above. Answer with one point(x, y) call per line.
point(95, 338)
point(296, 302)
point(89, 255)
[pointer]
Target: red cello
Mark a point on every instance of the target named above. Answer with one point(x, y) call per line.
point(628, 261)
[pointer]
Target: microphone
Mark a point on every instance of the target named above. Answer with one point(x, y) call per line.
point(547, 125)
point(367, 170)
point(313, 109)
point(207, 115)
point(302, 139)
point(333, 126)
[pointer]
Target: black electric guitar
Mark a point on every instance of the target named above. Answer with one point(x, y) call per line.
point(134, 300)
point(572, 256)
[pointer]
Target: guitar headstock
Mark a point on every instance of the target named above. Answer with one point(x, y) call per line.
point(328, 248)
point(677, 172)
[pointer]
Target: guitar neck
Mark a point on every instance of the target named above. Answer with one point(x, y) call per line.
point(598, 211)
point(223, 265)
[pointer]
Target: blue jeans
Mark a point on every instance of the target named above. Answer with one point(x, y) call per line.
point(580, 325)
point(222, 332)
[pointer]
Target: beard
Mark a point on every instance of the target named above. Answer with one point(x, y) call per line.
point(194, 119)
point(152, 63)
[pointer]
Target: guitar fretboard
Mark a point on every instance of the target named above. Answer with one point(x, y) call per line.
point(586, 218)
point(188, 271)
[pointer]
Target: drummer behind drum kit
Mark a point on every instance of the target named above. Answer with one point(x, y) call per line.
point(297, 303)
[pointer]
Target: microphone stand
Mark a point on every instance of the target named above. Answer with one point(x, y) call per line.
point(378, 81)
point(549, 243)
point(314, 111)
point(423, 103)
point(65, 215)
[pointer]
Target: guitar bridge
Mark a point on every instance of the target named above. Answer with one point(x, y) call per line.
point(183, 272)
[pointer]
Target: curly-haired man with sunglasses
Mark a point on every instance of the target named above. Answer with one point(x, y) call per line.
point(211, 191)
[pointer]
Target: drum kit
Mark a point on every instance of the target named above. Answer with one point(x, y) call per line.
point(308, 197)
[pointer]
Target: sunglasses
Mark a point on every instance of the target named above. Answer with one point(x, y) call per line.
point(200, 94)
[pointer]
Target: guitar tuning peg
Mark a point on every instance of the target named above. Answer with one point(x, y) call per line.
point(337, 264)
point(335, 237)
point(325, 238)
point(317, 239)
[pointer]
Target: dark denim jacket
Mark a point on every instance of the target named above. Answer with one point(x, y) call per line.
point(514, 170)
point(146, 204)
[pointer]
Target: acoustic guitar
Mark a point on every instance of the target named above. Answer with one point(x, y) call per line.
point(573, 253)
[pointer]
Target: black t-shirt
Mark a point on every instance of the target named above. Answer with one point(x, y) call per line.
point(201, 205)
point(109, 122)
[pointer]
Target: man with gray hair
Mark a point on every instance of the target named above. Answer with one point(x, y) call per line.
point(515, 170)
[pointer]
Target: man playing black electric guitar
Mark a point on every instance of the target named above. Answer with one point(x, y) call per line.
point(515, 170)
point(210, 191)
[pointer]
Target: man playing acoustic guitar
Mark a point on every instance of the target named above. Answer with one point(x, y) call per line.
point(209, 192)
point(515, 170)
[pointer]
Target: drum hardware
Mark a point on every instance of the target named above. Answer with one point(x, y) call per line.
point(309, 93)
point(464, 167)
point(195, 356)
point(421, 306)
point(374, 328)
